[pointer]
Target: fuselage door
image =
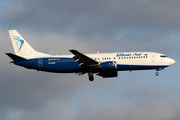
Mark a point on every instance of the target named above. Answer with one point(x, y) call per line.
point(153, 57)
point(40, 62)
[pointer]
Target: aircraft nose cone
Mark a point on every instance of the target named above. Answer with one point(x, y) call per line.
point(172, 61)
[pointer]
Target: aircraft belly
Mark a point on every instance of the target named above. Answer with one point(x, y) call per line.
point(138, 67)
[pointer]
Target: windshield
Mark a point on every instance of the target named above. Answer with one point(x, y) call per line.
point(163, 56)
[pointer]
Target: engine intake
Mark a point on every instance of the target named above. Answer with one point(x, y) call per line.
point(111, 65)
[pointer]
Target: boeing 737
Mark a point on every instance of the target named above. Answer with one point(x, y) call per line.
point(103, 64)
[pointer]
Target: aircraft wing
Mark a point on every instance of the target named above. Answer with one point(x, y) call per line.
point(83, 59)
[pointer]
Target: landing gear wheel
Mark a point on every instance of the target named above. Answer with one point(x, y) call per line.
point(157, 73)
point(91, 78)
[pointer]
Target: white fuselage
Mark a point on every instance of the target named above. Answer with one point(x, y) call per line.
point(129, 58)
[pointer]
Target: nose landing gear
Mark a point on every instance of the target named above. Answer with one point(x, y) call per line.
point(157, 73)
point(158, 69)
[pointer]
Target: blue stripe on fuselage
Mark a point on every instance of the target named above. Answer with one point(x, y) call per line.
point(68, 65)
point(51, 64)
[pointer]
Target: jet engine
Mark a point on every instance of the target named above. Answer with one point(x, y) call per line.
point(111, 65)
point(107, 74)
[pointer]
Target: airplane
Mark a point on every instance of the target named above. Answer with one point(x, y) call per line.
point(105, 65)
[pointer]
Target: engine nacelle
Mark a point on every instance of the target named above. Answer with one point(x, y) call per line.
point(111, 65)
point(107, 74)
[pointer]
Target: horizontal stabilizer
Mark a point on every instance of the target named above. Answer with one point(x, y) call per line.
point(16, 58)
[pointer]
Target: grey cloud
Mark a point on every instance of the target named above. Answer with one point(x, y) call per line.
point(92, 17)
point(166, 111)
point(154, 41)
point(149, 101)
point(55, 110)
point(30, 91)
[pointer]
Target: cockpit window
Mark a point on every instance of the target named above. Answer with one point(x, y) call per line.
point(163, 56)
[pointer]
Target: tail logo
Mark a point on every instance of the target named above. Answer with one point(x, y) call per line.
point(19, 41)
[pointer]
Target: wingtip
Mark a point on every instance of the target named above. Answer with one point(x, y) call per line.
point(72, 50)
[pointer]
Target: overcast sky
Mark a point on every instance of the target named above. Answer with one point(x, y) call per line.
point(55, 26)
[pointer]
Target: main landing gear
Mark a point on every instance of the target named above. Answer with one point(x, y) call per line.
point(157, 73)
point(90, 74)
